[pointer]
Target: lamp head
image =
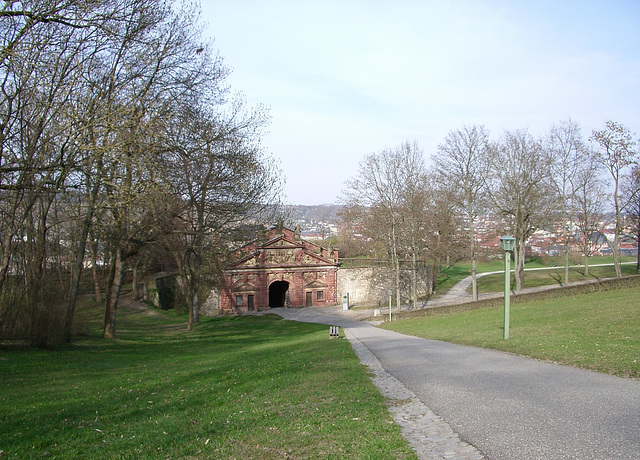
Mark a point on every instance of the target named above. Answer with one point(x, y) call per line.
point(508, 243)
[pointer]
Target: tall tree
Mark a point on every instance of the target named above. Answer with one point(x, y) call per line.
point(444, 239)
point(616, 152)
point(567, 154)
point(589, 207)
point(631, 194)
point(215, 164)
point(90, 92)
point(520, 189)
point(413, 233)
point(381, 187)
point(44, 51)
point(463, 160)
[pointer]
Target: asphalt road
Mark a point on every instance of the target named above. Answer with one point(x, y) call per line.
point(507, 406)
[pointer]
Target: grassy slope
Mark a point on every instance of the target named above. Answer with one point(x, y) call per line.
point(244, 387)
point(598, 331)
point(492, 283)
point(495, 283)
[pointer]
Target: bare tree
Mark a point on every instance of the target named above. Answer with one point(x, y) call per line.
point(351, 233)
point(413, 233)
point(88, 93)
point(444, 239)
point(616, 152)
point(215, 165)
point(631, 194)
point(381, 187)
point(567, 155)
point(520, 190)
point(589, 206)
point(463, 161)
point(44, 50)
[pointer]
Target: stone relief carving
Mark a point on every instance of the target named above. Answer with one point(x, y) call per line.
point(280, 257)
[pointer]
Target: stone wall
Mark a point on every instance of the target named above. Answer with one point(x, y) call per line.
point(160, 290)
point(211, 306)
point(368, 286)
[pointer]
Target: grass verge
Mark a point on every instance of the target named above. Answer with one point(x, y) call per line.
point(598, 331)
point(240, 387)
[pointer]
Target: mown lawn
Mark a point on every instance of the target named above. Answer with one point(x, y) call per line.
point(241, 387)
point(449, 276)
point(537, 278)
point(598, 331)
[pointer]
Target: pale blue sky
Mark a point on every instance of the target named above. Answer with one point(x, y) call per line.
point(343, 79)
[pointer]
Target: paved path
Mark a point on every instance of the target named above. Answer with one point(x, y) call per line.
point(502, 405)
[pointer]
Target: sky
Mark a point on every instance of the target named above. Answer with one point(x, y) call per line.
point(345, 79)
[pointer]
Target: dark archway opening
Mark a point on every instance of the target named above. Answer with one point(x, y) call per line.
point(278, 294)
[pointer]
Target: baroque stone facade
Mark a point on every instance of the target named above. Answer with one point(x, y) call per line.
point(279, 270)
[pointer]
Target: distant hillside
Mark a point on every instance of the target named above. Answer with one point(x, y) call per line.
point(327, 213)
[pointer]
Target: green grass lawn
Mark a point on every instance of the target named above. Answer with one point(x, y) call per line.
point(495, 283)
point(237, 387)
point(598, 331)
point(450, 276)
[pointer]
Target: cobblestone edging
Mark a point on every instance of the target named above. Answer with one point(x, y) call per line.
point(429, 435)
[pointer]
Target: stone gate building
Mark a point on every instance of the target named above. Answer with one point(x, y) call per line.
point(280, 269)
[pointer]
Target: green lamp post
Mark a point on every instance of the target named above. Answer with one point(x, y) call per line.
point(390, 293)
point(508, 244)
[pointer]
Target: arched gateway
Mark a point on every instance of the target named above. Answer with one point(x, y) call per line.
point(279, 270)
point(278, 294)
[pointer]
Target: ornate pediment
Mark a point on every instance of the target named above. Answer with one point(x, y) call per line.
point(244, 287)
point(285, 250)
point(250, 260)
point(280, 242)
point(316, 284)
point(280, 256)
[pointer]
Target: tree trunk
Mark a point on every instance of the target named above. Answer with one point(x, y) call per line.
point(565, 242)
point(638, 243)
point(94, 270)
point(616, 239)
point(6, 258)
point(75, 276)
point(472, 243)
point(134, 282)
point(586, 265)
point(116, 279)
point(396, 264)
point(616, 255)
point(519, 265)
point(474, 280)
point(414, 280)
point(516, 266)
point(566, 264)
point(397, 269)
point(436, 272)
point(79, 262)
point(11, 233)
